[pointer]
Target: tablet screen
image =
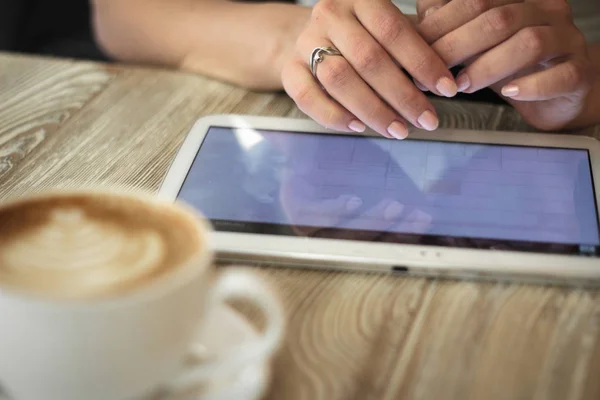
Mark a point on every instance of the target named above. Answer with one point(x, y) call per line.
point(411, 191)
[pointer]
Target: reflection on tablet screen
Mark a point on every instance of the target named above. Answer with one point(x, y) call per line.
point(411, 191)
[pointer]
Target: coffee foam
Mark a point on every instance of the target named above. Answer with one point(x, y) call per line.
point(89, 246)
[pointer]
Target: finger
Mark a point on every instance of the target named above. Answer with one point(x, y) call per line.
point(568, 78)
point(486, 31)
point(342, 83)
point(527, 48)
point(310, 98)
point(373, 222)
point(332, 209)
point(420, 86)
point(351, 226)
point(383, 75)
point(559, 9)
point(394, 32)
point(426, 8)
point(454, 15)
point(309, 215)
point(417, 222)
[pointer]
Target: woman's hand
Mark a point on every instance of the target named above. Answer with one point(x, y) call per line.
point(345, 216)
point(528, 51)
point(366, 85)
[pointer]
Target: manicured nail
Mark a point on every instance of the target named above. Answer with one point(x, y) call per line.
point(420, 86)
point(393, 210)
point(446, 87)
point(357, 126)
point(431, 10)
point(353, 203)
point(510, 90)
point(428, 121)
point(463, 82)
point(398, 130)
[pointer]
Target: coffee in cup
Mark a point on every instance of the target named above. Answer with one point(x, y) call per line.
point(79, 246)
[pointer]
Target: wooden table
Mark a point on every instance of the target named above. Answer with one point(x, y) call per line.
point(350, 336)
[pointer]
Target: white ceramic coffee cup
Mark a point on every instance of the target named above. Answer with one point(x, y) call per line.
point(129, 345)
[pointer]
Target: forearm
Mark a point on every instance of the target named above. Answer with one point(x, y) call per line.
point(244, 44)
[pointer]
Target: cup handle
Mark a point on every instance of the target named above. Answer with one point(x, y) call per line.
point(244, 285)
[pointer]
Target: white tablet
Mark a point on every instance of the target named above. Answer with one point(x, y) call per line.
point(448, 203)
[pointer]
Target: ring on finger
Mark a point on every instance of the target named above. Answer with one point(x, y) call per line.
point(318, 55)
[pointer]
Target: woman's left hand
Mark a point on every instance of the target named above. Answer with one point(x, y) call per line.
point(528, 51)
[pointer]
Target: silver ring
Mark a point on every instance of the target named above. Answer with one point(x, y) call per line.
point(318, 55)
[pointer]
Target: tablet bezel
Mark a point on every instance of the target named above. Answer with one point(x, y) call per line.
point(405, 258)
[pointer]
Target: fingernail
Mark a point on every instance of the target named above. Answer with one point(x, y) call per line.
point(393, 210)
point(510, 90)
point(463, 82)
point(420, 86)
point(353, 203)
point(357, 126)
point(431, 10)
point(398, 130)
point(446, 87)
point(428, 120)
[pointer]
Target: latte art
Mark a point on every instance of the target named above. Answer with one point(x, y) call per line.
point(75, 250)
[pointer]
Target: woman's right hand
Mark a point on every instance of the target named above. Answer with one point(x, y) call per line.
point(366, 85)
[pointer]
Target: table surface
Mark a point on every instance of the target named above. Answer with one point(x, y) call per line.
point(350, 335)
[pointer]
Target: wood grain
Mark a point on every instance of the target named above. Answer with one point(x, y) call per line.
point(35, 98)
point(350, 335)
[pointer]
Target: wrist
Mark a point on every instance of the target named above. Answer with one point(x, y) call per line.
point(288, 27)
point(247, 46)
